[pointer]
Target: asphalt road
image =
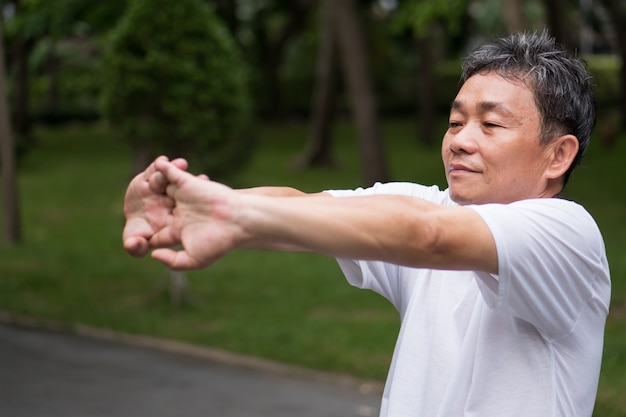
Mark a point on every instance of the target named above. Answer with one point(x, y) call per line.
point(68, 375)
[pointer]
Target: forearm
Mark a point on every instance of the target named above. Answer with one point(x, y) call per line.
point(272, 191)
point(396, 229)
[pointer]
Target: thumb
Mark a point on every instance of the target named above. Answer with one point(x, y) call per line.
point(176, 260)
point(135, 236)
point(174, 175)
point(136, 246)
point(164, 238)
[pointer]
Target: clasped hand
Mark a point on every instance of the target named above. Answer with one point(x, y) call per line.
point(165, 206)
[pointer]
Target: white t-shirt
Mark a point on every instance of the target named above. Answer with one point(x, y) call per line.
point(525, 342)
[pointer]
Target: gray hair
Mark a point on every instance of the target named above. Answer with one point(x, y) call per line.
point(561, 84)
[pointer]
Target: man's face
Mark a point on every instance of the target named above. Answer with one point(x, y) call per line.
point(491, 150)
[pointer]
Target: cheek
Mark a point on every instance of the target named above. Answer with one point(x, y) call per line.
point(514, 169)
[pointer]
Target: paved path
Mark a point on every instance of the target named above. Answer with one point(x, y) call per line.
point(68, 375)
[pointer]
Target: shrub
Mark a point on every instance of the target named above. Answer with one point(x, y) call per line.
point(175, 80)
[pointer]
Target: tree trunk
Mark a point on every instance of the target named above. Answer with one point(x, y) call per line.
point(179, 290)
point(427, 89)
point(22, 51)
point(558, 24)
point(513, 14)
point(11, 218)
point(319, 152)
point(356, 70)
point(617, 11)
point(53, 67)
point(299, 11)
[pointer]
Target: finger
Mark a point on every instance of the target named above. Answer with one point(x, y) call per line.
point(136, 246)
point(204, 177)
point(157, 182)
point(176, 260)
point(147, 173)
point(136, 226)
point(163, 239)
point(181, 163)
point(174, 175)
point(170, 190)
point(135, 236)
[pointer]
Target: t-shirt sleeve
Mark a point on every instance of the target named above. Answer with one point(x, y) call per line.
point(367, 274)
point(551, 263)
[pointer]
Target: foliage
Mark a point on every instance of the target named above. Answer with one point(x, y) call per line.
point(605, 70)
point(487, 16)
point(418, 15)
point(38, 19)
point(174, 78)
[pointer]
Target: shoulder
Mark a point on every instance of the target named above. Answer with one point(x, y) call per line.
point(551, 262)
point(553, 224)
point(431, 193)
point(548, 237)
point(549, 216)
point(558, 205)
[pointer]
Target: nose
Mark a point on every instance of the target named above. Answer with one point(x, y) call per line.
point(463, 140)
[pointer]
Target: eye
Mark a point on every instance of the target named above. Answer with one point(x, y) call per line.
point(453, 124)
point(490, 125)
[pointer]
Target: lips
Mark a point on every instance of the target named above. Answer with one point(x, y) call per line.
point(453, 168)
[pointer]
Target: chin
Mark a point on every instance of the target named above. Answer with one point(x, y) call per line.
point(461, 199)
point(464, 199)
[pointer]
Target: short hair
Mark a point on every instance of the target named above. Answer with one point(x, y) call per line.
point(561, 84)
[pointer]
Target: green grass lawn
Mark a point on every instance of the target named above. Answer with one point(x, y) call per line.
point(295, 308)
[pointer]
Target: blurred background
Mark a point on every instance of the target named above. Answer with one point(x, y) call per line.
point(311, 94)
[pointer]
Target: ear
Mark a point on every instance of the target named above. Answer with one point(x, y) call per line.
point(562, 150)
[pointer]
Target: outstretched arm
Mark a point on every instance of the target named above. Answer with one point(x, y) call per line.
point(210, 219)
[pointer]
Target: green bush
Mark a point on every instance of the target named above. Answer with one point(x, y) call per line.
point(175, 79)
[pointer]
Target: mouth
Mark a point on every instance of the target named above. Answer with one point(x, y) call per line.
point(460, 168)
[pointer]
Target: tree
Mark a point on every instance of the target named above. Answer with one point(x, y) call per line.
point(34, 30)
point(358, 79)
point(266, 31)
point(342, 30)
point(295, 18)
point(27, 26)
point(318, 151)
point(617, 11)
point(513, 14)
point(175, 82)
point(558, 23)
point(11, 218)
point(424, 19)
point(426, 44)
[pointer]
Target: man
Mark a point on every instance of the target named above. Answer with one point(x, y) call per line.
point(502, 287)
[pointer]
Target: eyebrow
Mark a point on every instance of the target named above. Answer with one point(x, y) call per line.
point(485, 106)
